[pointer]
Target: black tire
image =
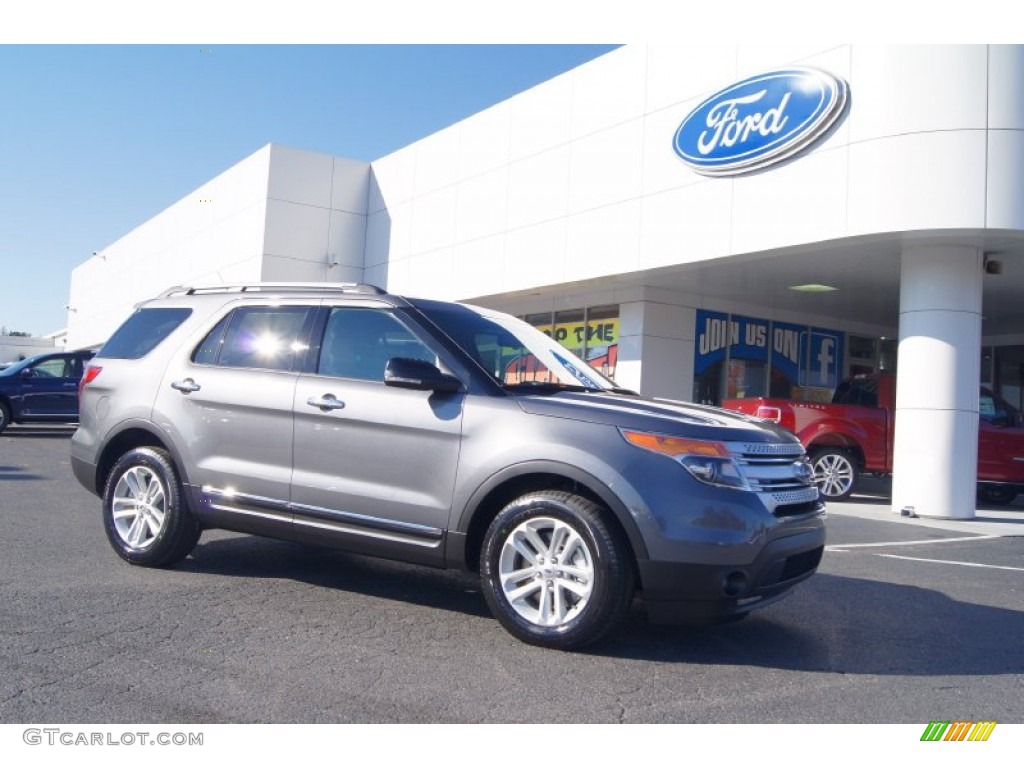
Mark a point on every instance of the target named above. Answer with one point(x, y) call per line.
point(5, 416)
point(997, 495)
point(556, 607)
point(155, 526)
point(835, 472)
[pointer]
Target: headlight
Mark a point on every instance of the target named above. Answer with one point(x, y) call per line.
point(707, 460)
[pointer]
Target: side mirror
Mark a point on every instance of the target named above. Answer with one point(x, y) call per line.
point(409, 373)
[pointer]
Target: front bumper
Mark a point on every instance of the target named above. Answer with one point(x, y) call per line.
point(675, 592)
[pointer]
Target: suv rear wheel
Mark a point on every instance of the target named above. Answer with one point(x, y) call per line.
point(554, 573)
point(144, 510)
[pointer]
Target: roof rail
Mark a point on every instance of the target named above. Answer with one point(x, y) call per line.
point(274, 288)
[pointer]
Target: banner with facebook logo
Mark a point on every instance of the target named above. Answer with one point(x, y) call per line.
point(738, 356)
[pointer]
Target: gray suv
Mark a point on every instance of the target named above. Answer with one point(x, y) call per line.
point(440, 434)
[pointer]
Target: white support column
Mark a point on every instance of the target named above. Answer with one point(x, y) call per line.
point(935, 457)
point(656, 349)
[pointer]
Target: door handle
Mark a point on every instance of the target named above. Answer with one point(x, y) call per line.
point(326, 403)
point(186, 386)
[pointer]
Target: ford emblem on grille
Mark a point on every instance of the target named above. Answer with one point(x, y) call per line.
point(760, 121)
point(803, 471)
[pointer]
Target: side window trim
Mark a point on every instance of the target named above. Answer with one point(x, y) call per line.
point(213, 340)
point(318, 326)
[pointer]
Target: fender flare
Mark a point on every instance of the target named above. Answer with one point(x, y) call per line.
point(141, 425)
point(457, 538)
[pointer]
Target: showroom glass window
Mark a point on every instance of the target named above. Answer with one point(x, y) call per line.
point(591, 333)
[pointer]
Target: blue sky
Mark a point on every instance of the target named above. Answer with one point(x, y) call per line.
point(95, 140)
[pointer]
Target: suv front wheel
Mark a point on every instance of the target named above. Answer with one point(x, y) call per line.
point(554, 572)
point(144, 510)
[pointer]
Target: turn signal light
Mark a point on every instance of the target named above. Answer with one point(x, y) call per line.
point(676, 446)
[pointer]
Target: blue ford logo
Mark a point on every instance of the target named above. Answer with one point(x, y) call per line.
point(760, 121)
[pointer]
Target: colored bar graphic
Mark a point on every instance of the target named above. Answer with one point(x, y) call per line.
point(982, 731)
point(960, 730)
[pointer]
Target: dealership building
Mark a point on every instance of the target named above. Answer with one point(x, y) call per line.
point(702, 223)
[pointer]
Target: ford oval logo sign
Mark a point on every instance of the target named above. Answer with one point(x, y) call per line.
point(760, 121)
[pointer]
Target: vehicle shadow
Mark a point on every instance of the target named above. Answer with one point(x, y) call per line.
point(829, 624)
point(261, 558)
point(849, 626)
point(8, 472)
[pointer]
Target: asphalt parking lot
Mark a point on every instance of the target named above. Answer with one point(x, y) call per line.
point(906, 622)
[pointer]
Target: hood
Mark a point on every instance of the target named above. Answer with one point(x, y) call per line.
point(669, 417)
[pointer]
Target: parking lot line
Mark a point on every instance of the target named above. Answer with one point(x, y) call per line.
point(952, 562)
point(844, 547)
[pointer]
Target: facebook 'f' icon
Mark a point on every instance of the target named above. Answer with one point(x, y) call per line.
point(821, 353)
point(825, 359)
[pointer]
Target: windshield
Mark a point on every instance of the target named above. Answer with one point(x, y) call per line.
point(513, 352)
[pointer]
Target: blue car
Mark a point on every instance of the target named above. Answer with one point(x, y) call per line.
point(43, 388)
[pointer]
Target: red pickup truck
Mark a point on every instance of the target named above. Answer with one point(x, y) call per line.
point(854, 434)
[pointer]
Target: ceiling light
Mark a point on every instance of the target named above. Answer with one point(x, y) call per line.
point(813, 288)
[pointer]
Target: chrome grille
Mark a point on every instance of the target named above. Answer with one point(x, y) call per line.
point(754, 450)
point(797, 497)
point(771, 470)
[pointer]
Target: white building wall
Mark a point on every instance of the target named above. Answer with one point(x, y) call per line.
point(212, 235)
point(576, 178)
point(316, 217)
point(281, 214)
point(15, 348)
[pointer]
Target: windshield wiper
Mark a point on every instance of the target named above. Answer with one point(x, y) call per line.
point(557, 386)
point(550, 386)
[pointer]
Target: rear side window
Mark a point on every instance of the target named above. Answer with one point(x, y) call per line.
point(143, 331)
point(272, 338)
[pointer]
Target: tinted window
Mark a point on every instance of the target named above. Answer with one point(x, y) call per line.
point(359, 342)
point(996, 411)
point(142, 332)
point(857, 392)
point(264, 337)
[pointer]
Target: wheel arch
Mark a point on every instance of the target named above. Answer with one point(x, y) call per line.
point(463, 548)
point(129, 436)
point(838, 440)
